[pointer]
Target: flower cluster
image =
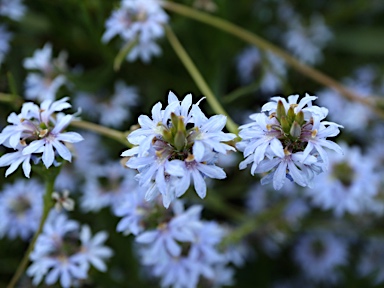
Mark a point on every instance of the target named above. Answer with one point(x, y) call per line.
point(288, 142)
point(140, 22)
point(183, 250)
point(47, 76)
point(37, 130)
point(65, 251)
point(169, 153)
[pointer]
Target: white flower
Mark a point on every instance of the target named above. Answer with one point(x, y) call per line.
point(167, 150)
point(38, 130)
point(141, 21)
point(289, 141)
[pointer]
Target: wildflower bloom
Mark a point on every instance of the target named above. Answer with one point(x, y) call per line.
point(349, 186)
point(183, 249)
point(319, 255)
point(38, 129)
point(288, 142)
point(64, 253)
point(140, 22)
point(21, 207)
point(47, 76)
point(169, 154)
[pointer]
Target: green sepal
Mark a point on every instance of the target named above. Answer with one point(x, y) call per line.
point(180, 141)
point(300, 118)
point(285, 124)
point(291, 115)
point(295, 130)
point(280, 110)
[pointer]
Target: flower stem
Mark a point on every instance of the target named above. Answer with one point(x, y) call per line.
point(111, 133)
point(265, 45)
point(198, 78)
point(48, 204)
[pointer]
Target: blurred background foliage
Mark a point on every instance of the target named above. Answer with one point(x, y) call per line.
point(77, 26)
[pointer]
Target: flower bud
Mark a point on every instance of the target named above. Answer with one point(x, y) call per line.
point(285, 124)
point(291, 115)
point(295, 130)
point(300, 118)
point(280, 111)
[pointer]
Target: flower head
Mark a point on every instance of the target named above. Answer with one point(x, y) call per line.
point(139, 21)
point(47, 76)
point(65, 253)
point(288, 142)
point(36, 130)
point(178, 144)
point(20, 209)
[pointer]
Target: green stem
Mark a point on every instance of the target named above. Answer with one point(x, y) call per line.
point(48, 204)
point(111, 133)
point(198, 78)
point(235, 94)
point(265, 45)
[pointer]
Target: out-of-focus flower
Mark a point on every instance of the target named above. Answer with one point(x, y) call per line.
point(65, 253)
point(169, 155)
point(106, 186)
point(183, 250)
point(355, 117)
point(38, 129)
point(319, 255)
point(47, 76)
point(306, 42)
point(140, 22)
point(371, 261)
point(21, 206)
point(5, 37)
point(13, 9)
point(110, 110)
point(267, 68)
point(289, 141)
point(349, 186)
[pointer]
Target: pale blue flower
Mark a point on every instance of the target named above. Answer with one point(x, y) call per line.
point(133, 210)
point(371, 260)
point(58, 257)
point(106, 186)
point(92, 251)
point(141, 21)
point(319, 255)
point(13, 9)
point(306, 43)
point(44, 82)
point(350, 185)
point(21, 207)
